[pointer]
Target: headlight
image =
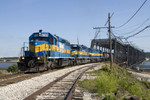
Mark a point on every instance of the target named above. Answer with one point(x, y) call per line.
point(38, 58)
point(22, 57)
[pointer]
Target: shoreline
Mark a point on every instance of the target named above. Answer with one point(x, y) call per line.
point(140, 75)
point(9, 62)
point(5, 65)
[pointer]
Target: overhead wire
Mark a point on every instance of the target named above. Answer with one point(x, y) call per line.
point(138, 27)
point(96, 33)
point(132, 15)
point(144, 36)
point(129, 27)
point(135, 28)
point(138, 32)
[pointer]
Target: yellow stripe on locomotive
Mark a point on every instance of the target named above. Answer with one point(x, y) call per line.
point(46, 47)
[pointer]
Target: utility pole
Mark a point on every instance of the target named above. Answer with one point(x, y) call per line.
point(110, 41)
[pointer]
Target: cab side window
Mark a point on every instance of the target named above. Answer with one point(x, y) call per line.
point(31, 39)
point(55, 42)
point(51, 40)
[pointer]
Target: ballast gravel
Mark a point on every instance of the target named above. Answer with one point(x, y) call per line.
point(21, 90)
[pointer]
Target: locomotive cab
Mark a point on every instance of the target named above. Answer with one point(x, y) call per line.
point(75, 48)
point(95, 55)
point(80, 53)
point(37, 53)
point(38, 44)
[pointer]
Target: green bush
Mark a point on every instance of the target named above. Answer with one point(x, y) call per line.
point(13, 68)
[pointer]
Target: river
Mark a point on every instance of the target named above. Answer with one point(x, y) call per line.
point(145, 66)
point(6, 65)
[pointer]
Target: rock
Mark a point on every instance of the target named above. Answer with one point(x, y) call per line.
point(134, 98)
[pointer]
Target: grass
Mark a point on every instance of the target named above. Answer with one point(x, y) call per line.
point(3, 71)
point(112, 81)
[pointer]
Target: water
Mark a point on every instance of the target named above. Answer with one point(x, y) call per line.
point(6, 65)
point(145, 66)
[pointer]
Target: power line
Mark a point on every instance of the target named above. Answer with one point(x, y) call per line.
point(129, 27)
point(133, 15)
point(96, 33)
point(144, 36)
point(135, 28)
point(98, 30)
point(116, 37)
point(138, 32)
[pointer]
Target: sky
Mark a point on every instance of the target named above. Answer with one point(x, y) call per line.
point(70, 19)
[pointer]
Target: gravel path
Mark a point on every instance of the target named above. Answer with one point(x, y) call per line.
point(20, 90)
point(141, 76)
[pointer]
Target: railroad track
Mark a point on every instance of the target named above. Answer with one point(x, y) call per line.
point(13, 78)
point(9, 75)
point(10, 78)
point(5, 78)
point(62, 88)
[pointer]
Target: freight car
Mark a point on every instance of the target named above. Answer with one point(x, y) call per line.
point(47, 51)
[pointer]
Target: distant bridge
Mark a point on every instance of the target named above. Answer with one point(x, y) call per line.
point(121, 52)
point(9, 59)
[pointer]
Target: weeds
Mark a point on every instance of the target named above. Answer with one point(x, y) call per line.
point(3, 71)
point(111, 80)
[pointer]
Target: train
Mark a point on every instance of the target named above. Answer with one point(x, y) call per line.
point(47, 51)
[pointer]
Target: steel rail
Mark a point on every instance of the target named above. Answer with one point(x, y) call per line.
point(38, 92)
point(9, 75)
point(72, 89)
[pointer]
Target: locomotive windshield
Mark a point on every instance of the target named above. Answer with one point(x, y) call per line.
point(75, 47)
point(31, 39)
point(41, 39)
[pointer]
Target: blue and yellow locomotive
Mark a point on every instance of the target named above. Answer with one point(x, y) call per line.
point(95, 55)
point(47, 51)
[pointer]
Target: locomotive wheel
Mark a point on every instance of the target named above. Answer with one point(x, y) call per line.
point(71, 63)
point(31, 63)
point(51, 65)
point(47, 67)
point(37, 68)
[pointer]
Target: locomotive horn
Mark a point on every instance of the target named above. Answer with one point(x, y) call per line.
point(40, 31)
